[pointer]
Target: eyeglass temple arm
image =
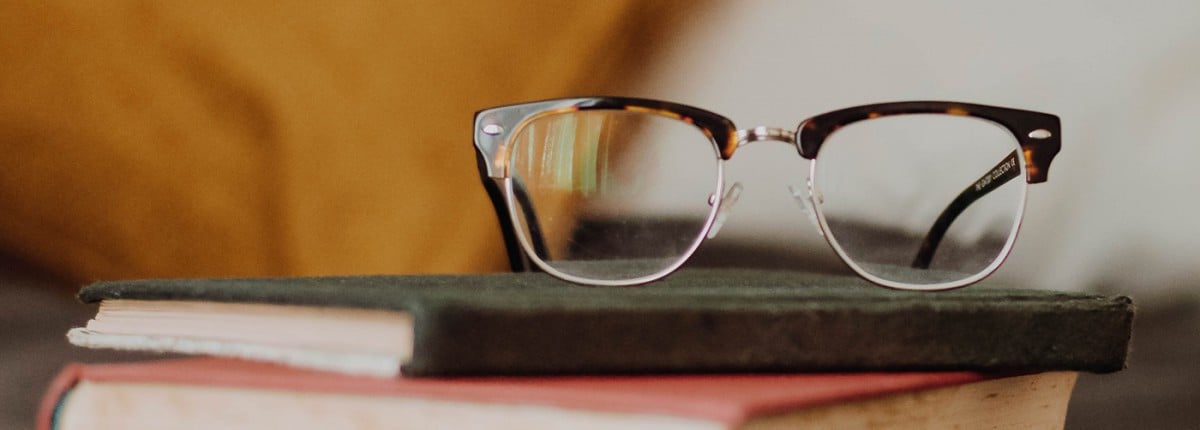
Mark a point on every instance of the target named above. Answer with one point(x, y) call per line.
point(512, 246)
point(999, 175)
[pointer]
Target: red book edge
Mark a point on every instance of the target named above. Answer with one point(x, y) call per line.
point(727, 398)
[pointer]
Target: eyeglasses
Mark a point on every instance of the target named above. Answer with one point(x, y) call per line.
point(915, 195)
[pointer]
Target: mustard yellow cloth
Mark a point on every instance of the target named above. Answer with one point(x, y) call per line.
point(253, 138)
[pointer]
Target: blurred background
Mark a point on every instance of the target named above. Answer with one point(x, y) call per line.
point(146, 139)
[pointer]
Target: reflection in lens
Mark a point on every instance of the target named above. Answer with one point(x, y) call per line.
point(883, 184)
point(591, 196)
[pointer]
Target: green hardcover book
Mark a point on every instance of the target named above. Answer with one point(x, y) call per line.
point(527, 324)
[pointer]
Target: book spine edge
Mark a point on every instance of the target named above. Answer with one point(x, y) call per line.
point(449, 341)
point(55, 394)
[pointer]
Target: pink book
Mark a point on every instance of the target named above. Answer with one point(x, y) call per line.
point(199, 393)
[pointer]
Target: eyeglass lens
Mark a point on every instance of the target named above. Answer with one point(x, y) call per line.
point(595, 180)
point(882, 184)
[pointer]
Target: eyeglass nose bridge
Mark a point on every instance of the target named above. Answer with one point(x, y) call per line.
point(750, 135)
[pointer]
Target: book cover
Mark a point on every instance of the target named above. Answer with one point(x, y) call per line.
point(224, 393)
point(695, 321)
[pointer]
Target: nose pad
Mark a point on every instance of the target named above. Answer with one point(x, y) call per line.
point(727, 202)
point(804, 196)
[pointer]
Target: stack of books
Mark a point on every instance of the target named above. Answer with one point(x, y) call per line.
point(704, 349)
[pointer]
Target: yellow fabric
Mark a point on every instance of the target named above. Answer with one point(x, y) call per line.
point(239, 138)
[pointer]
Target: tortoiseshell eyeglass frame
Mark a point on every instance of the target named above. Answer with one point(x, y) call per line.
point(1038, 134)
